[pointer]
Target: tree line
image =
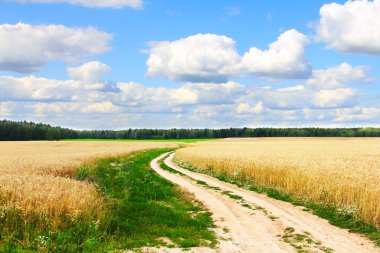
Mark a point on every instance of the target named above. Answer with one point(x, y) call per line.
point(21, 131)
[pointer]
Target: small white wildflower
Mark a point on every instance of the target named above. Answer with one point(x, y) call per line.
point(42, 240)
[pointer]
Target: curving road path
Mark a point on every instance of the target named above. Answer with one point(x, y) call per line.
point(251, 222)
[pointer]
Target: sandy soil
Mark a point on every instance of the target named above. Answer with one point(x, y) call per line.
point(251, 222)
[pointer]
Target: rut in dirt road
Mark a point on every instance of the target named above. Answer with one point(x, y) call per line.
point(251, 222)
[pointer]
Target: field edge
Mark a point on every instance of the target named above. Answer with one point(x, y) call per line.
point(329, 213)
point(143, 209)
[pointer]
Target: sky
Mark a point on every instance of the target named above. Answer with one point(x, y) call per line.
point(117, 64)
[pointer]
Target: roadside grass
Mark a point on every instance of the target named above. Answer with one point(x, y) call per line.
point(145, 207)
point(335, 215)
point(165, 167)
point(145, 140)
point(142, 209)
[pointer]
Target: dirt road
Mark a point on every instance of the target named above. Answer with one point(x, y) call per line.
point(251, 222)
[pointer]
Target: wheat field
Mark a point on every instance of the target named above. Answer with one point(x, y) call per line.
point(37, 177)
point(342, 172)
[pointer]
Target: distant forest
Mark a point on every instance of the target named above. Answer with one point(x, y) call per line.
point(20, 131)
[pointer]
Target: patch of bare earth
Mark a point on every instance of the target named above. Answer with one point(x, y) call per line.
point(251, 222)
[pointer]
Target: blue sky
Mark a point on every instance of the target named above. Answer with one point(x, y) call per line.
point(162, 64)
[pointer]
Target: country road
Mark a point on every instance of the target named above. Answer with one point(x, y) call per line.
point(251, 222)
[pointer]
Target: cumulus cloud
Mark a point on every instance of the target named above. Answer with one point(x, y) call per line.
point(104, 104)
point(208, 93)
point(336, 77)
point(294, 98)
point(4, 109)
point(285, 57)
point(25, 48)
point(245, 108)
point(66, 109)
point(326, 88)
point(197, 58)
point(353, 27)
point(292, 88)
point(358, 114)
point(89, 72)
point(75, 100)
point(128, 95)
point(213, 58)
point(100, 107)
point(283, 99)
point(337, 98)
point(136, 4)
point(135, 94)
point(49, 90)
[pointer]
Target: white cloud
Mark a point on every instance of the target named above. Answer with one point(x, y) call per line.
point(245, 108)
point(353, 27)
point(184, 95)
point(341, 97)
point(89, 72)
point(207, 93)
point(214, 116)
point(326, 88)
point(134, 94)
point(293, 88)
point(358, 114)
point(49, 90)
point(285, 57)
point(136, 4)
point(25, 48)
point(130, 96)
point(213, 58)
point(79, 103)
point(100, 107)
point(101, 104)
point(294, 99)
point(284, 99)
point(67, 108)
point(55, 108)
point(336, 77)
point(4, 109)
point(197, 58)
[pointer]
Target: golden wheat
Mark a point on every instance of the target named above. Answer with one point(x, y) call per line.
point(339, 171)
point(36, 177)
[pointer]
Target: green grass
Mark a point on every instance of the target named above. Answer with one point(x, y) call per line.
point(165, 167)
point(302, 242)
point(331, 213)
point(151, 206)
point(152, 140)
point(143, 209)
